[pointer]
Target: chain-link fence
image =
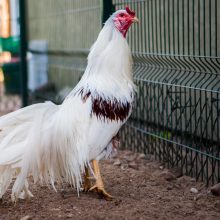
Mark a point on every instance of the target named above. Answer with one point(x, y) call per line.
point(176, 51)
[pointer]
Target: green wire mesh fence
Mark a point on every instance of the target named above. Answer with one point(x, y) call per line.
point(176, 50)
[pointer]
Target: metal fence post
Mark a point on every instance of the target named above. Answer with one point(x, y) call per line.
point(108, 9)
point(23, 52)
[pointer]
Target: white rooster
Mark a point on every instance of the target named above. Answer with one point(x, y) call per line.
point(56, 143)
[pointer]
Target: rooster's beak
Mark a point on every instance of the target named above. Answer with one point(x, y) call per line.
point(135, 20)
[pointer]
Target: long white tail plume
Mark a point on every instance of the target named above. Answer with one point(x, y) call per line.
point(36, 140)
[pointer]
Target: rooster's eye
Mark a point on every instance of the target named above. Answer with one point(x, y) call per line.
point(122, 15)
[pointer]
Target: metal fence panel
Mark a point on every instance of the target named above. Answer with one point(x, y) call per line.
point(176, 50)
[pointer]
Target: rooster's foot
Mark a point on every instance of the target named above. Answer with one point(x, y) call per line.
point(99, 186)
point(101, 191)
point(87, 183)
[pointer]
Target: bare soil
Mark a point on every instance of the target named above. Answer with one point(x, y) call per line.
point(142, 187)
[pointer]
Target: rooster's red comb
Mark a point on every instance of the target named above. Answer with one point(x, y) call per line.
point(129, 11)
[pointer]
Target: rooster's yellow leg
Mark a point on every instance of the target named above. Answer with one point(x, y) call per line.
point(99, 186)
point(86, 184)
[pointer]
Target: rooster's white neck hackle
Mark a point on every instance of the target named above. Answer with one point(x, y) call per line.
point(109, 63)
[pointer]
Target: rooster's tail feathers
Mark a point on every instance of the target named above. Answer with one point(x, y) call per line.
point(32, 141)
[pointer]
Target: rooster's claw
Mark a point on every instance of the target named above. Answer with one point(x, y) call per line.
point(102, 192)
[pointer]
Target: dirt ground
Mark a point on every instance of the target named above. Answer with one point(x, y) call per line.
point(142, 187)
